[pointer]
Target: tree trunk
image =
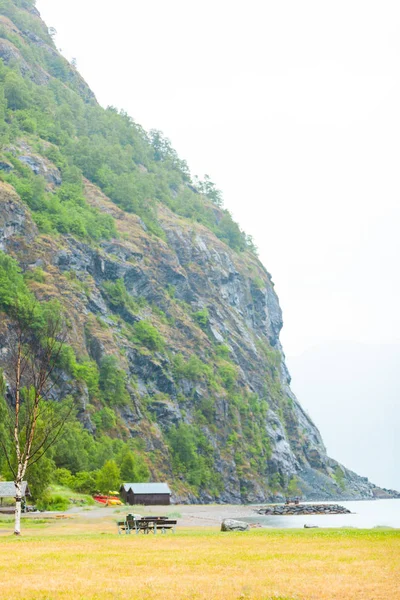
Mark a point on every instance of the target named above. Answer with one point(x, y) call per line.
point(18, 503)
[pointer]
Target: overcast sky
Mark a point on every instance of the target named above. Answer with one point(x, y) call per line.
point(292, 108)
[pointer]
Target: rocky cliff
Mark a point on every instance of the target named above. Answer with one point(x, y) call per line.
point(168, 285)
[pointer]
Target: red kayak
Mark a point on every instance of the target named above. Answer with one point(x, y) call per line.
point(107, 499)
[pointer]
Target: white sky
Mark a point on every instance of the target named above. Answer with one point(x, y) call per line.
point(292, 108)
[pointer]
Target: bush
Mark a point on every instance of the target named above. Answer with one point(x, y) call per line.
point(119, 297)
point(228, 374)
point(148, 335)
point(105, 419)
point(88, 372)
point(194, 369)
point(52, 502)
point(36, 274)
point(339, 477)
point(85, 482)
point(112, 384)
point(66, 211)
point(222, 351)
point(85, 371)
point(202, 317)
point(258, 283)
point(63, 477)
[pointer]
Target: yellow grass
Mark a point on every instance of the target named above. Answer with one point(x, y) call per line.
point(88, 561)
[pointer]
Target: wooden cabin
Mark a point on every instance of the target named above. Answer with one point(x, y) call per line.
point(148, 494)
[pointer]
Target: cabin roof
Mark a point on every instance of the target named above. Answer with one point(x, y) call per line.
point(7, 489)
point(147, 488)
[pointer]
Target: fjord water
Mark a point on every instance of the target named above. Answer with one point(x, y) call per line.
point(365, 514)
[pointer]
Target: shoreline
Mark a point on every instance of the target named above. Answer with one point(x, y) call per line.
point(212, 515)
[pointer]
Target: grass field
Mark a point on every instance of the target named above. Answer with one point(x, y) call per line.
point(88, 561)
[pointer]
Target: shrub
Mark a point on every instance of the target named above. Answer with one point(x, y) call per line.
point(148, 335)
point(85, 371)
point(65, 211)
point(222, 351)
point(63, 477)
point(207, 409)
point(89, 373)
point(118, 295)
point(113, 382)
point(36, 274)
point(292, 488)
point(228, 374)
point(339, 477)
point(194, 369)
point(202, 317)
point(52, 502)
point(85, 482)
point(258, 283)
point(104, 419)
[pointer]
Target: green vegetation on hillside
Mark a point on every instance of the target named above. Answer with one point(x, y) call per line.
point(142, 360)
point(63, 211)
point(134, 168)
point(81, 455)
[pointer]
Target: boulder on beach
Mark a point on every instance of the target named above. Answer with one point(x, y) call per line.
point(233, 525)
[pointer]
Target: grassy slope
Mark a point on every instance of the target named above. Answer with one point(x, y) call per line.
point(81, 561)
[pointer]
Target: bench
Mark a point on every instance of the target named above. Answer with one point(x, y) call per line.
point(138, 525)
point(146, 525)
point(164, 524)
point(122, 527)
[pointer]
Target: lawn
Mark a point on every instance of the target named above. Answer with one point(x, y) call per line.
point(88, 561)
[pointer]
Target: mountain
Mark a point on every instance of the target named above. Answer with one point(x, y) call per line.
point(354, 388)
point(173, 353)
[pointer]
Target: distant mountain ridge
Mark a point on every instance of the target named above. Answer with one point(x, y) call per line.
point(174, 353)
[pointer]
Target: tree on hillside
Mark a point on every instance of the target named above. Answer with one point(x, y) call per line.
point(109, 477)
point(133, 468)
point(209, 189)
point(31, 420)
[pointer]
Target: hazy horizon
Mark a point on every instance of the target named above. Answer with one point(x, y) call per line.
point(351, 391)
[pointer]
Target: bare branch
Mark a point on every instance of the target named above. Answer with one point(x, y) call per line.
point(8, 459)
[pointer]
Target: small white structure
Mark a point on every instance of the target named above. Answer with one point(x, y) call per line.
point(7, 490)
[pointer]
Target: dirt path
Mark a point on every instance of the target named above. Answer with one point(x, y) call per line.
point(188, 515)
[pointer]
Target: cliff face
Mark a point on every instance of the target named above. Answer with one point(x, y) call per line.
point(192, 319)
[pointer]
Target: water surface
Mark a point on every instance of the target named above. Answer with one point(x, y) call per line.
point(365, 514)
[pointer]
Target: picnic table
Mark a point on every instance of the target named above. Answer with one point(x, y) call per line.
point(149, 524)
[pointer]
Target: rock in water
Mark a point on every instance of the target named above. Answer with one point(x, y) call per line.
point(233, 525)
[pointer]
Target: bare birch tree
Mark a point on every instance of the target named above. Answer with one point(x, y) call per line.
point(33, 420)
